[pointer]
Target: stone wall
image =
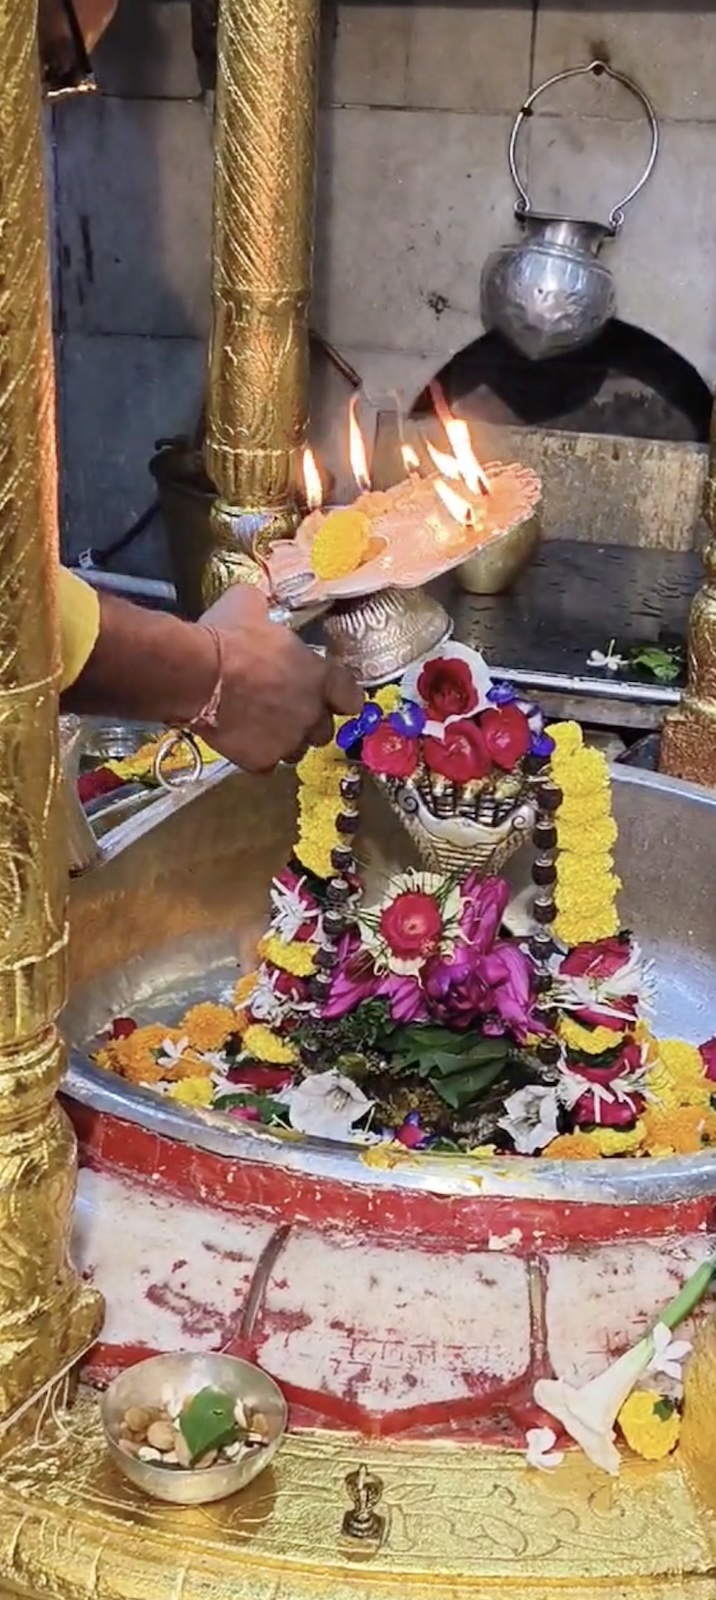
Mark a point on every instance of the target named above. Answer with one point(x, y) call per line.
point(414, 191)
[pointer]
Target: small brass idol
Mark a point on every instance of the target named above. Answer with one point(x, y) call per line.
point(362, 1521)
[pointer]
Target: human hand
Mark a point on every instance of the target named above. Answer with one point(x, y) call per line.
point(278, 696)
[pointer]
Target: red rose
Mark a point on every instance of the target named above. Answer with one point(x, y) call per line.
point(507, 736)
point(628, 1060)
point(591, 1109)
point(411, 926)
point(461, 755)
point(447, 690)
point(389, 754)
point(707, 1052)
point(598, 960)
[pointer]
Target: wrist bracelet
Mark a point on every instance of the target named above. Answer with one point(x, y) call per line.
point(208, 717)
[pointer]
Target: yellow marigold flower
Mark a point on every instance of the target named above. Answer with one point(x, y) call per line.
point(207, 1026)
point(590, 1041)
point(264, 1045)
point(650, 1424)
point(189, 1065)
point(587, 838)
point(134, 1057)
point(583, 812)
point(388, 698)
point(192, 1092)
point(341, 544)
point(682, 1131)
point(244, 988)
point(591, 902)
point(567, 737)
point(617, 1141)
point(571, 1147)
point(677, 1077)
point(584, 774)
point(573, 927)
point(584, 874)
point(315, 857)
point(298, 958)
point(318, 814)
point(321, 767)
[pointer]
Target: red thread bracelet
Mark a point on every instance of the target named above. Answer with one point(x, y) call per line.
point(208, 717)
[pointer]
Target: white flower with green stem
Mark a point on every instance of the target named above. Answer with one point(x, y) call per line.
point(588, 1413)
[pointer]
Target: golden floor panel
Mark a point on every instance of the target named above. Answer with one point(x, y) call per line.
point(458, 1522)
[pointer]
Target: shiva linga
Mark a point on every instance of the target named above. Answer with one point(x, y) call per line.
point(367, 566)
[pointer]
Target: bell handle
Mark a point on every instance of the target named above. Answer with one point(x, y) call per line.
point(523, 204)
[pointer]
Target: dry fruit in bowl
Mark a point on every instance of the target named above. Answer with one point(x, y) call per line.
point(207, 1429)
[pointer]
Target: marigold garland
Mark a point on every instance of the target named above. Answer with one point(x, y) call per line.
point(298, 957)
point(678, 1077)
point(587, 886)
point(588, 1041)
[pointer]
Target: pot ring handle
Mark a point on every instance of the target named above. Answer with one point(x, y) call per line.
point(523, 205)
point(167, 747)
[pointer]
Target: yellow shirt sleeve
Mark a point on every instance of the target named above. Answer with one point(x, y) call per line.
point(79, 625)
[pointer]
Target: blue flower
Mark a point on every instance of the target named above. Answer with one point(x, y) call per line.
point(409, 719)
point(541, 746)
point(502, 693)
point(357, 727)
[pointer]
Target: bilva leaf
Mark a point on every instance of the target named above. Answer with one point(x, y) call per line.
point(461, 1089)
point(208, 1422)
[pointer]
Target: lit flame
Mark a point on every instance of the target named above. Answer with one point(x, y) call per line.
point(454, 503)
point(411, 460)
point(356, 448)
point(459, 435)
point(312, 480)
point(447, 465)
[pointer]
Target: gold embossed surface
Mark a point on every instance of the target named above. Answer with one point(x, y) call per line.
point(263, 221)
point(688, 740)
point(46, 1315)
point(457, 1521)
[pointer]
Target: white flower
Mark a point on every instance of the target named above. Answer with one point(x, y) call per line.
point(540, 1451)
point(609, 660)
point(290, 911)
point(479, 674)
point(531, 1118)
point(669, 1353)
point(326, 1105)
point(633, 980)
point(169, 1051)
point(588, 1414)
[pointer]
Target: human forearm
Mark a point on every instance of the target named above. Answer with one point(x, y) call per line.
point(145, 665)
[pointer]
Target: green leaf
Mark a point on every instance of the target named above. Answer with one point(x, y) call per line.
point(445, 1064)
point(664, 664)
point(208, 1422)
point(462, 1088)
point(664, 1408)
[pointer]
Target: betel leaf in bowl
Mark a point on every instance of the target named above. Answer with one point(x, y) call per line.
point(209, 1422)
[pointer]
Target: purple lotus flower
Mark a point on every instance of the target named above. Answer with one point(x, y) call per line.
point(484, 904)
point(510, 974)
point(456, 990)
point(356, 981)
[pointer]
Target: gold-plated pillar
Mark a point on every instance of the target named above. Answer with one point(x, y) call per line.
point(47, 1316)
point(688, 740)
point(264, 161)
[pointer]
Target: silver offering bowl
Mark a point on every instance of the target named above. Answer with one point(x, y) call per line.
point(186, 1375)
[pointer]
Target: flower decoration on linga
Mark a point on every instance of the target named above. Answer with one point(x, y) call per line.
point(452, 721)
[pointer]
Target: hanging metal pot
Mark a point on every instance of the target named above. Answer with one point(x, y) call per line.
point(550, 293)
